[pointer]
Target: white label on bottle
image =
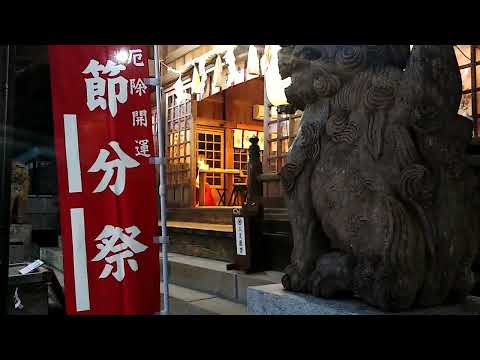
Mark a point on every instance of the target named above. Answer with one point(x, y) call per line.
point(240, 236)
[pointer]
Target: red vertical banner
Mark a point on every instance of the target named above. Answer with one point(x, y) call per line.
point(106, 184)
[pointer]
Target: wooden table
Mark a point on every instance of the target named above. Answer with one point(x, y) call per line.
point(229, 181)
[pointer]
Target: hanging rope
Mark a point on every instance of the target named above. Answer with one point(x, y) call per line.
point(170, 68)
point(197, 60)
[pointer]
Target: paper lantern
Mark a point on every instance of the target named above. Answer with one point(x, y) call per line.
point(253, 66)
point(218, 78)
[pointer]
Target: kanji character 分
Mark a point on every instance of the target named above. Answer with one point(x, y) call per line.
point(122, 163)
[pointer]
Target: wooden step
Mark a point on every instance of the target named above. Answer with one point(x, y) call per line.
point(226, 228)
point(212, 241)
point(204, 214)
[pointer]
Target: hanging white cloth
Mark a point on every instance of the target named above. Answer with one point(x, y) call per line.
point(253, 65)
point(218, 78)
point(179, 91)
point(233, 73)
point(266, 58)
point(195, 80)
point(275, 85)
point(203, 76)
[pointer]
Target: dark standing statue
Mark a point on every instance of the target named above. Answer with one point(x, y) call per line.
point(378, 191)
point(254, 191)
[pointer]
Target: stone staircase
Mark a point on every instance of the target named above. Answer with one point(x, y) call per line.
point(197, 286)
point(203, 286)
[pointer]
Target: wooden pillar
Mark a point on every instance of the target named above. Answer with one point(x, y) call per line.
point(266, 135)
point(266, 120)
point(193, 154)
point(228, 178)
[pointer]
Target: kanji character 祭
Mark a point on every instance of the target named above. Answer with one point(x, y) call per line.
point(122, 163)
point(125, 250)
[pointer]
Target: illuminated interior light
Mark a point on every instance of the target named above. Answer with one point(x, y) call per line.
point(122, 56)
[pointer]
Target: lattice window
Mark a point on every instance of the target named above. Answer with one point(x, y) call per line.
point(178, 149)
point(282, 129)
point(240, 162)
point(210, 148)
point(468, 57)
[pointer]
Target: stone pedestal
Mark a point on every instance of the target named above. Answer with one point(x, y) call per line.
point(274, 300)
point(31, 289)
point(21, 246)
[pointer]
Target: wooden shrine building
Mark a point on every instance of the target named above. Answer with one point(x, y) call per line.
point(214, 125)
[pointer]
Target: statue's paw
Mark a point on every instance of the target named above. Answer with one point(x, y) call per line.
point(320, 286)
point(287, 176)
point(295, 279)
point(333, 275)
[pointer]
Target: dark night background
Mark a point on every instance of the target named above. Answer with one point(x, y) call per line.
point(33, 112)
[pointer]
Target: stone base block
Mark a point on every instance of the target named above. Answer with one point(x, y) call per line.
point(274, 300)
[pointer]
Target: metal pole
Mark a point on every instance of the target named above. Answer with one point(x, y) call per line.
point(6, 60)
point(162, 188)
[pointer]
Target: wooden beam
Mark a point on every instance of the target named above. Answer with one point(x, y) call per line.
point(214, 99)
point(181, 51)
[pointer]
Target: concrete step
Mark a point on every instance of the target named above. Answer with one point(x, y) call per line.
point(206, 276)
point(184, 301)
point(212, 277)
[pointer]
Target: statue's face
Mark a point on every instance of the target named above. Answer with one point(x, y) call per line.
point(319, 71)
